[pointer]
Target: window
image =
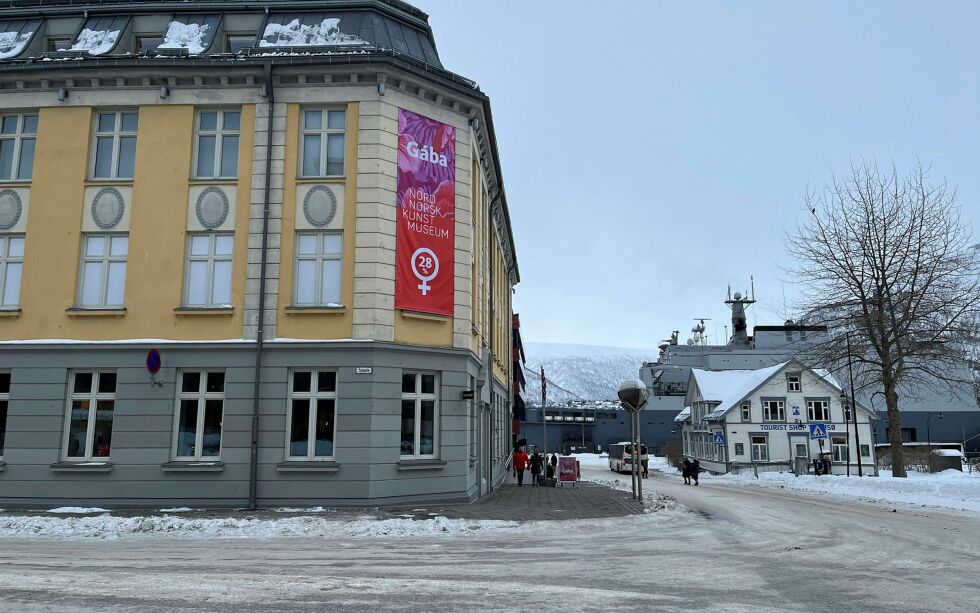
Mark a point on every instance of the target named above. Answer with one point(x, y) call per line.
point(55, 43)
point(208, 279)
point(103, 275)
point(746, 412)
point(773, 410)
point(760, 449)
point(18, 135)
point(739, 448)
point(200, 408)
point(792, 383)
point(818, 410)
point(838, 445)
point(90, 409)
point(324, 134)
point(239, 42)
point(115, 145)
point(312, 415)
point(847, 413)
point(217, 144)
point(11, 265)
point(318, 269)
point(4, 400)
point(148, 42)
point(419, 415)
point(865, 450)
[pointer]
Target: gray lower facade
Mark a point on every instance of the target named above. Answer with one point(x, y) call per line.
point(141, 467)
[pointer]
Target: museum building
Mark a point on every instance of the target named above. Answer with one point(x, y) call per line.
point(251, 254)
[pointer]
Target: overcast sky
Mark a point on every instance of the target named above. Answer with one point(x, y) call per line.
point(654, 152)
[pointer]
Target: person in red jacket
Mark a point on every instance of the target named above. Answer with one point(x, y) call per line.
point(520, 463)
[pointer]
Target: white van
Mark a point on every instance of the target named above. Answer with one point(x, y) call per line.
point(620, 456)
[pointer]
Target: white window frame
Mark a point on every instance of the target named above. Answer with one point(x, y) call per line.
point(202, 396)
point(780, 406)
point(5, 398)
point(220, 133)
point(6, 260)
point(19, 136)
point(840, 448)
point(104, 261)
point(210, 258)
point(794, 382)
point(117, 135)
point(312, 396)
point(319, 258)
point(757, 446)
point(418, 397)
point(811, 407)
point(93, 396)
point(746, 412)
point(324, 132)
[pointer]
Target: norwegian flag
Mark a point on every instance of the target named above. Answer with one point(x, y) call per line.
point(544, 384)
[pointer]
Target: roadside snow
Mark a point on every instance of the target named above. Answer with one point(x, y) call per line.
point(77, 510)
point(177, 510)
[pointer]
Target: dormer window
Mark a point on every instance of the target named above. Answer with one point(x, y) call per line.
point(236, 43)
point(148, 42)
point(793, 382)
point(57, 43)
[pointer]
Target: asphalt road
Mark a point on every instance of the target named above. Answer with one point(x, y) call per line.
point(736, 549)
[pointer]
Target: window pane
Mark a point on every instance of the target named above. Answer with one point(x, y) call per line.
point(200, 245)
point(299, 430)
point(92, 284)
point(326, 382)
point(330, 283)
point(223, 244)
point(312, 120)
point(103, 156)
point(26, 164)
point(333, 244)
point(335, 154)
point(216, 382)
point(428, 384)
point(103, 428)
point(211, 445)
point(197, 283)
point(119, 245)
point(208, 120)
point(427, 428)
point(187, 426)
point(221, 285)
point(130, 121)
point(117, 284)
point(306, 244)
point(301, 380)
point(229, 156)
point(11, 286)
point(205, 156)
point(7, 158)
point(16, 248)
point(233, 120)
point(306, 282)
point(30, 124)
point(83, 383)
point(3, 424)
point(190, 382)
point(408, 383)
point(237, 43)
point(95, 246)
point(336, 120)
point(127, 157)
point(9, 125)
point(408, 427)
point(78, 430)
point(4, 385)
point(324, 427)
point(107, 383)
point(107, 122)
point(311, 155)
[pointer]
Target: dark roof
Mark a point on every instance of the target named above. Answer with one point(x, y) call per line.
point(791, 328)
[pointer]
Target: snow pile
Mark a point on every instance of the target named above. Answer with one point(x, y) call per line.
point(188, 36)
point(12, 43)
point(96, 42)
point(78, 510)
point(296, 34)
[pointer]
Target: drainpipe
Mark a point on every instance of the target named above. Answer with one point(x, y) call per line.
point(493, 200)
point(260, 333)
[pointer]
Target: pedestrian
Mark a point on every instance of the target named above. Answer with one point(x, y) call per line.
point(537, 461)
point(520, 463)
point(695, 470)
point(686, 471)
point(645, 462)
point(550, 468)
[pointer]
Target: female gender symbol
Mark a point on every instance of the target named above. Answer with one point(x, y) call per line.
point(430, 263)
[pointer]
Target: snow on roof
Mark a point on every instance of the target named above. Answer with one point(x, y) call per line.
point(730, 386)
point(96, 42)
point(683, 415)
point(191, 32)
point(948, 452)
point(297, 34)
point(15, 35)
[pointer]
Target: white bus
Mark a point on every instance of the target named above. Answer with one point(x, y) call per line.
point(620, 459)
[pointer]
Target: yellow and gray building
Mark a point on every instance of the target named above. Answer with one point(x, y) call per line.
point(216, 181)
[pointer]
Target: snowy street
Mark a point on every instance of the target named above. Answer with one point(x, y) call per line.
point(733, 548)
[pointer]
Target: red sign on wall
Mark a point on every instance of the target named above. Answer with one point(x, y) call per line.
point(426, 227)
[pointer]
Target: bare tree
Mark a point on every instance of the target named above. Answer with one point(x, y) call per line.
point(886, 260)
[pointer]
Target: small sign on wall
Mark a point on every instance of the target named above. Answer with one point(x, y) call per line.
point(364, 370)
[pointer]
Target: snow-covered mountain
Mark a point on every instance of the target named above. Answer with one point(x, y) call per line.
point(585, 372)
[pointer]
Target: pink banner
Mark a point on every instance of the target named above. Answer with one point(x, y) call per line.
point(567, 469)
point(426, 227)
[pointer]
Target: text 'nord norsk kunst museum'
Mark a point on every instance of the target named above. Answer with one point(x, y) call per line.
point(250, 252)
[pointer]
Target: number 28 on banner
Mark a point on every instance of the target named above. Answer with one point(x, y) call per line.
point(425, 267)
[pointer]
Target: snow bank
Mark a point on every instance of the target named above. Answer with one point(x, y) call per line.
point(296, 34)
point(96, 42)
point(78, 510)
point(188, 36)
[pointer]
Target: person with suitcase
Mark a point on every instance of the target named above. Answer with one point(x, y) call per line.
point(536, 463)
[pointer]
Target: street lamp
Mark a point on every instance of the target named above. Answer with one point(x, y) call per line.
point(928, 430)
